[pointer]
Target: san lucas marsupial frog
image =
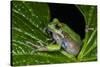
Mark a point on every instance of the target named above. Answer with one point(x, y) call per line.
point(64, 37)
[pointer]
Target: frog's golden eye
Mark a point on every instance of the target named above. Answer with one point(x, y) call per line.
point(57, 26)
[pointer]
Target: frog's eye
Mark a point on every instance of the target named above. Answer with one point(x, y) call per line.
point(57, 26)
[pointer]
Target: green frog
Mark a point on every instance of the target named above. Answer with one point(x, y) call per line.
point(64, 37)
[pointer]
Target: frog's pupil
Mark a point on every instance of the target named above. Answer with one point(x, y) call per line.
point(57, 27)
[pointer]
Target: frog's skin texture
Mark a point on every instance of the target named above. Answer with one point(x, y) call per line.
point(64, 37)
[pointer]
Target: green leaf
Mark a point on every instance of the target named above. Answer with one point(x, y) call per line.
point(89, 48)
point(29, 20)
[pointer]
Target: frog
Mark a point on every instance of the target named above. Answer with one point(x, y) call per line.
point(63, 38)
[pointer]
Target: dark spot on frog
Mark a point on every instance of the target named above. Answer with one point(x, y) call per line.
point(70, 15)
point(57, 26)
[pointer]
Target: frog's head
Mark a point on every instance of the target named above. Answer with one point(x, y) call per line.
point(55, 27)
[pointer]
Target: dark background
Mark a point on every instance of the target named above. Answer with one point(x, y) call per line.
point(70, 15)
